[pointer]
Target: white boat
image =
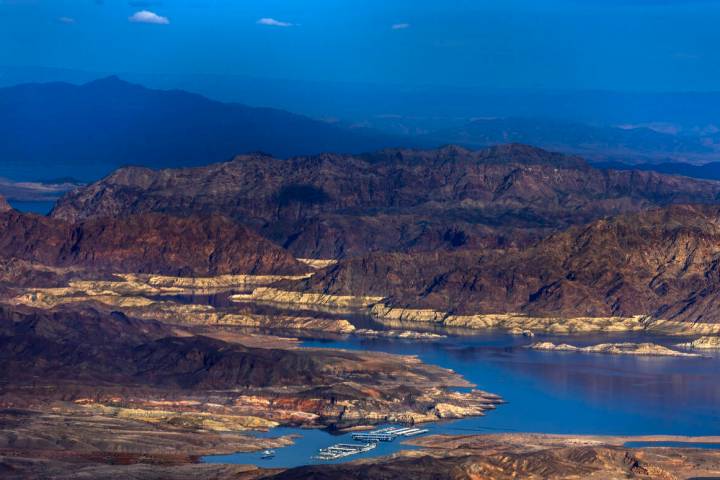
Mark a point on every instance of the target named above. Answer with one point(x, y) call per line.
point(268, 454)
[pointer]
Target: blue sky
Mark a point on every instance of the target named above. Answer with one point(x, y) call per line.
point(642, 45)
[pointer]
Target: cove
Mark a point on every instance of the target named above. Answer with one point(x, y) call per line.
point(546, 392)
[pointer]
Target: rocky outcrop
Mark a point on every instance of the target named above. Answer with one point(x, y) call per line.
point(311, 301)
point(143, 301)
point(401, 334)
point(626, 348)
point(208, 284)
point(707, 343)
point(317, 263)
point(626, 272)
point(4, 205)
point(147, 243)
point(332, 206)
point(187, 418)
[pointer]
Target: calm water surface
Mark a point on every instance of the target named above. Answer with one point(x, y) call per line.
point(552, 392)
point(40, 207)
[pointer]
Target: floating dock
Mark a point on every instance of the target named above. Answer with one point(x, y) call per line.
point(369, 441)
point(387, 434)
point(343, 450)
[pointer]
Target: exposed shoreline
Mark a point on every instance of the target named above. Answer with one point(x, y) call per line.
point(513, 322)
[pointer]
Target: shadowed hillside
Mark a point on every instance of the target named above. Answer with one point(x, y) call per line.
point(58, 129)
point(149, 243)
point(335, 205)
point(663, 263)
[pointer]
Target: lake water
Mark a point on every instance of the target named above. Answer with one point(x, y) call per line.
point(40, 207)
point(552, 392)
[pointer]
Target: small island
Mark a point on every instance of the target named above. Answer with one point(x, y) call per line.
point(624, 348)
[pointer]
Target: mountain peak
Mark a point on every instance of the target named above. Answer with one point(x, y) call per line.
point(99, 126)
point(528, 154)
point(112, 82)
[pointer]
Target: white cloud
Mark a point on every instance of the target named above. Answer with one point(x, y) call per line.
point(274, 23)
point(400, 26)
point(66, 20)
point(146, 16)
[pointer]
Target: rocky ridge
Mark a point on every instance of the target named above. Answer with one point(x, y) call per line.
point(656, 266)
point(144, 243)
point(331, 206)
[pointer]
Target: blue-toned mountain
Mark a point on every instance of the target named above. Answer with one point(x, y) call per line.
point(59, 129)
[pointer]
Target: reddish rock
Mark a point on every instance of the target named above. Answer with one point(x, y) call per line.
point(147, 243)
point(394, 200)
point(661, 262)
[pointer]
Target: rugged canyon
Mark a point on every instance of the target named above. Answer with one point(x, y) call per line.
point(163, 303)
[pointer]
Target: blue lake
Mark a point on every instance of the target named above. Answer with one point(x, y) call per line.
point(551, 392)
point(40, 207)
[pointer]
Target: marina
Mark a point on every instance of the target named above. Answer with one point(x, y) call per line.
point(341, 450)
point(370, 442)
point(388, 434)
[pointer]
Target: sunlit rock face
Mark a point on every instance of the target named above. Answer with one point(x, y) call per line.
point(4, 205)
point(702, 343)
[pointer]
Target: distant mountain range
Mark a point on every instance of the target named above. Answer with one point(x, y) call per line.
point(86, 131)
point(710, 171)
point(636, 144)
point(419, 105)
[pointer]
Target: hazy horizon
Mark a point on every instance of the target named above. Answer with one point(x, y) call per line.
point(624, 45)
